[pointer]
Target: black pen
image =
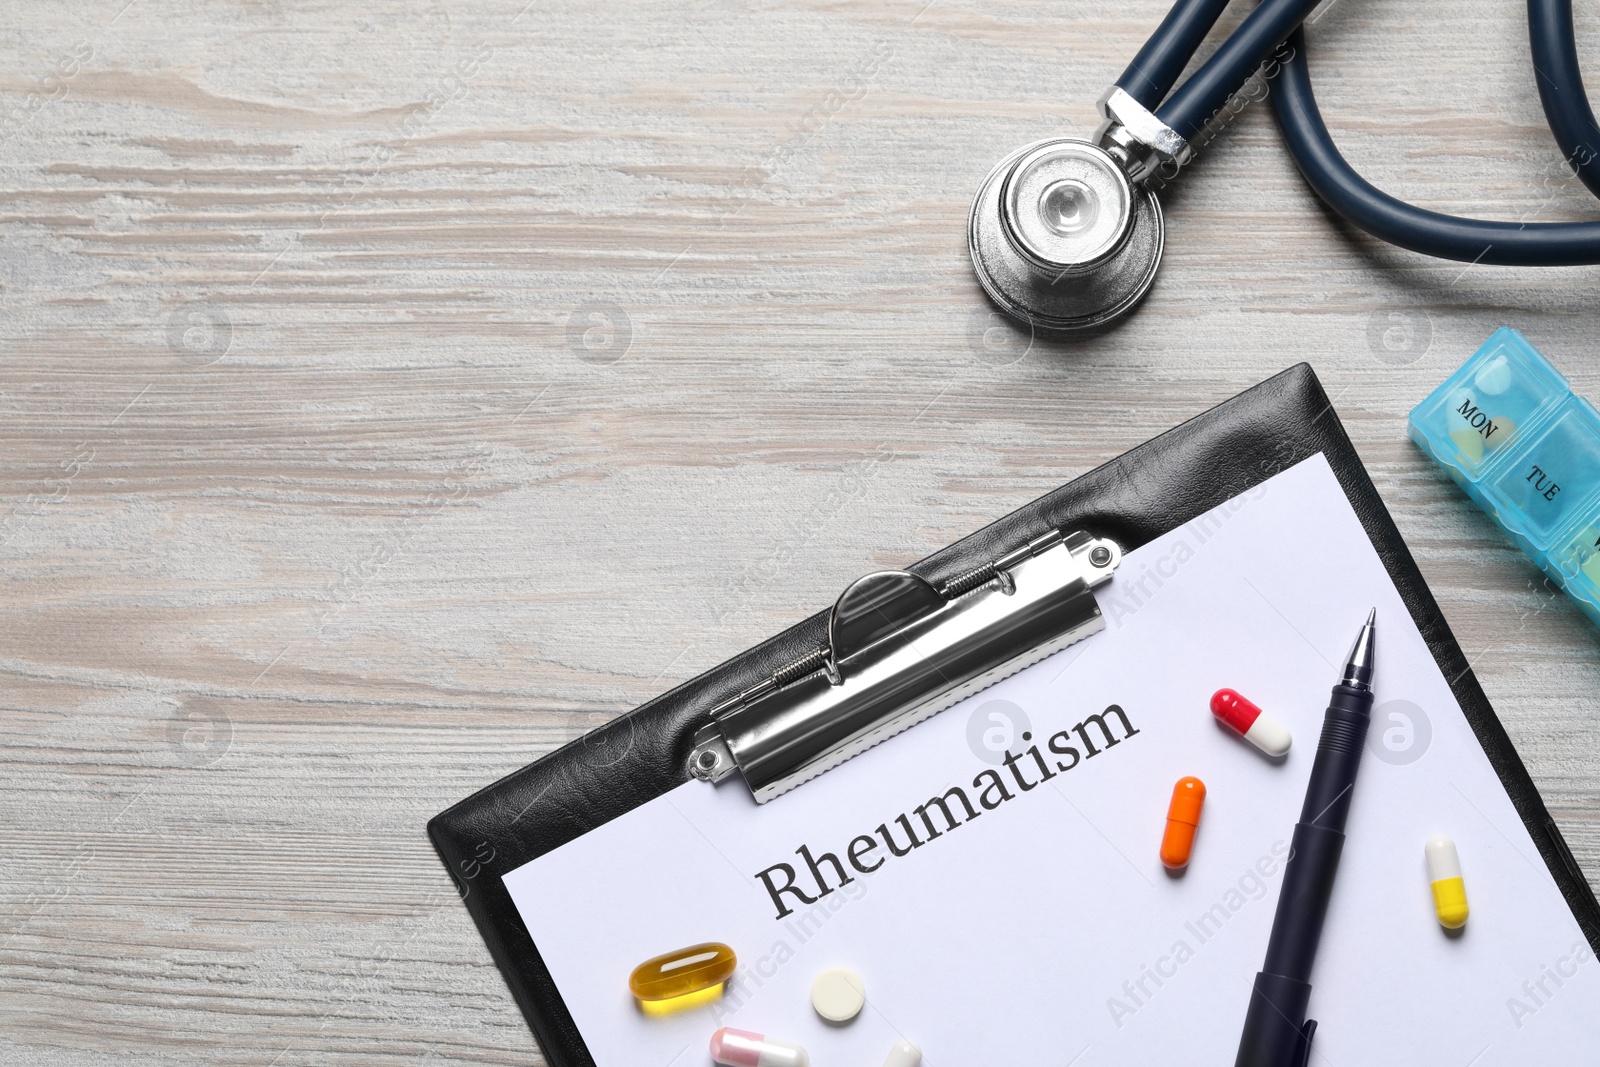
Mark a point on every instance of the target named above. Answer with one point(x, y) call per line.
point(1276, 1031)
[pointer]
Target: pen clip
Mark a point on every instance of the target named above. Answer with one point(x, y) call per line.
point(1303, 1055)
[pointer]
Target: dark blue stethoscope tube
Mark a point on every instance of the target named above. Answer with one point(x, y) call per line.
point(1512, 244)
point(1566, 105)
point(1446, 236)
point(1155, 70)
point(1207, 90)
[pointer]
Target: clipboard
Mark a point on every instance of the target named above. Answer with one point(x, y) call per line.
point(1143, 494)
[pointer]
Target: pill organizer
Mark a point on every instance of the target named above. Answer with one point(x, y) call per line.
point(1511, 432)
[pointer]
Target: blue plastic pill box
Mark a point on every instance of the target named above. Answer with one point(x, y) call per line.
point(1510, 431)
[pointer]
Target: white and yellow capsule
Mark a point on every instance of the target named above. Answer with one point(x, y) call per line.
point(1449, 890)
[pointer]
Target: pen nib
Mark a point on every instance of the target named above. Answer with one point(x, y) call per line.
point(1363, 656)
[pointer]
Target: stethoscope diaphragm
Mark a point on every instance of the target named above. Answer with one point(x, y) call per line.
point(1061, 238)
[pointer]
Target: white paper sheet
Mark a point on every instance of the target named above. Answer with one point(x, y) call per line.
point(1046, 931)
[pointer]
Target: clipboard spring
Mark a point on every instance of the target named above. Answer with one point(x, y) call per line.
point(813, 661)
point(900, 650)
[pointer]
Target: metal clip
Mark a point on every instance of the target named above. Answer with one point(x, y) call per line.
point(1138, 140)
point(901, 650)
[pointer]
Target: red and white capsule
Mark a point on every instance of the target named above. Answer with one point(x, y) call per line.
point(740, 1048)
point(1258, 728)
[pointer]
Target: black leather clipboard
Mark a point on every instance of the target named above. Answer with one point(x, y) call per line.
point(1142, 494)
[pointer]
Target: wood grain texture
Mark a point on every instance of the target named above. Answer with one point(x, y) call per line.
point(392, 392)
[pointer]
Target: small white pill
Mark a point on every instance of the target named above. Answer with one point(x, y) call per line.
point(1494, 377)
point(904, 1054)
point(838, 994)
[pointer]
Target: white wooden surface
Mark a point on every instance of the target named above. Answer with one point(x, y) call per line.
point(330, 498)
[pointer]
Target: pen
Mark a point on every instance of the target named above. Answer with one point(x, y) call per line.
point(1276, 1031)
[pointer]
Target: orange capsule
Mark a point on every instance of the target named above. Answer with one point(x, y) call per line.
point(683, 973)
point(1183, 818)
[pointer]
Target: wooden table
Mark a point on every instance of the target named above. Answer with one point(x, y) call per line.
point(393, 392)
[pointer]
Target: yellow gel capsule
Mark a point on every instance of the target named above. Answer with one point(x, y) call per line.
point(1449, 890)
point(683, 973)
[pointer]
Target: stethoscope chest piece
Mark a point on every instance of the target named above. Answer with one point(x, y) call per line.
point(1061, 239)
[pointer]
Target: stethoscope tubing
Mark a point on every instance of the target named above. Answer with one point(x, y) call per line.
point(1566, 105)
point(1514, 244)
point(1191, 107)
point(1157, 67)
point(1205, 92)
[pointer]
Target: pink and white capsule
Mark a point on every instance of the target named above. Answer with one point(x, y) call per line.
point(740, 1048)
point(1258, 728)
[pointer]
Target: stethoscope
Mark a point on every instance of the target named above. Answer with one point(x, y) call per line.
point(1066, 234)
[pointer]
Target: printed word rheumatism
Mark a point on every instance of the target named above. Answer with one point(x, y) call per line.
point(809, 882)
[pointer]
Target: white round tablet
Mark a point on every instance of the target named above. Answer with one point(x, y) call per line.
point(838, 994)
